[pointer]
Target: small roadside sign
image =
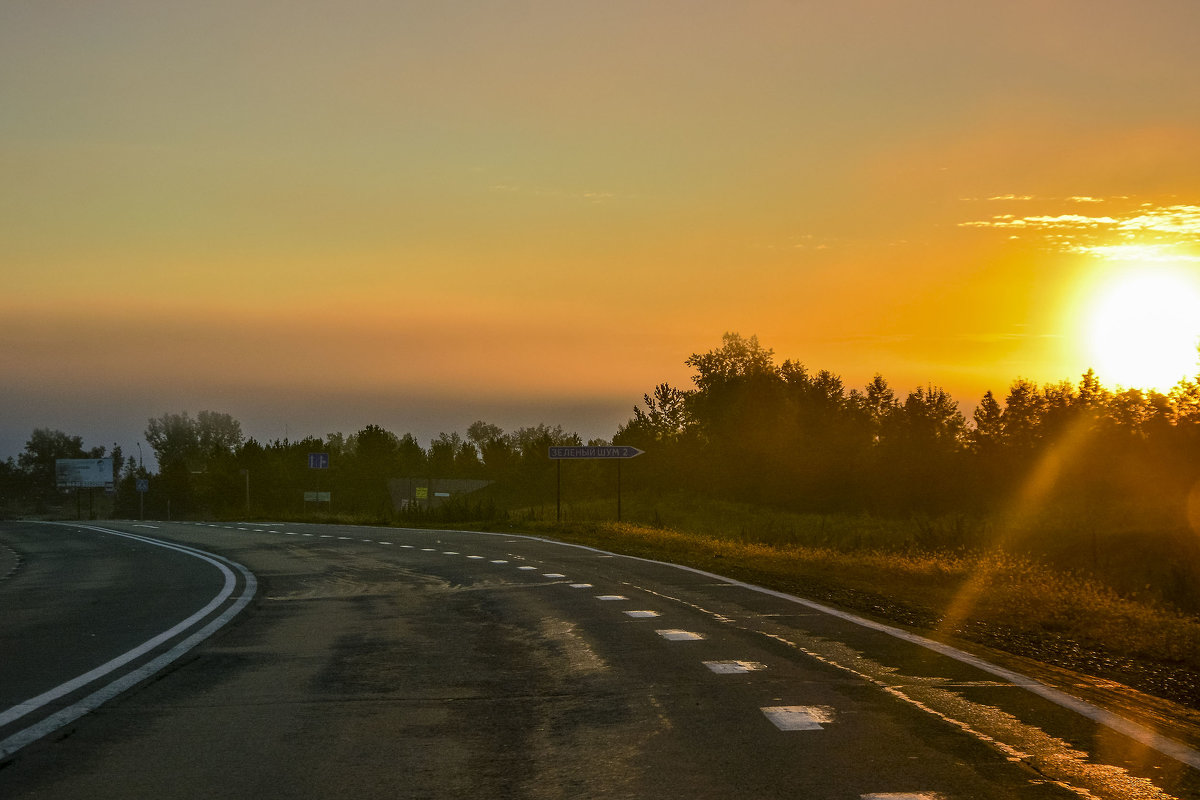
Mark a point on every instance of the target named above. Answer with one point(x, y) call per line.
point(617, 451)
point(318, 460)
point(614, 452)
point(143, 485)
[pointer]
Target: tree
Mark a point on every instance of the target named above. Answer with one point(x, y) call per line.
point(451, 456)
point(878, 403)
point(1022, 417)
point(665, 421)
point(45, 446)
point(929, 421)
point(371, 460)
point(217, 434)
point(737, 358)
point(173, 438)
point(193, 442)
point(988, 433)
point(494, 446)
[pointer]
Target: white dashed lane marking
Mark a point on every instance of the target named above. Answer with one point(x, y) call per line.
point(733, 667)
point(786, 718)
point(799, 718)
point(902, 796)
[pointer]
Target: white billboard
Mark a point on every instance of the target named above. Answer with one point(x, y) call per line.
point(85, 473)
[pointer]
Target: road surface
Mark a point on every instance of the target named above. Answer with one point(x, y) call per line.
point(376, 662)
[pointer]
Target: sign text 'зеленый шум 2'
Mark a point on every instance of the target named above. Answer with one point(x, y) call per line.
point(608, 451)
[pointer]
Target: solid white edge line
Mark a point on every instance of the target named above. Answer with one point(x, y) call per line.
point(1139, 733)
point(73, 712)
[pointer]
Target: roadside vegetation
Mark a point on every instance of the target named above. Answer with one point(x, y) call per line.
point(1061, 522)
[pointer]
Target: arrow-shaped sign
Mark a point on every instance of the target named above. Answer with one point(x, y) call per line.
point(615, 451)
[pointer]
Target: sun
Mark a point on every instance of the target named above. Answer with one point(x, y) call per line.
point(1143, 327)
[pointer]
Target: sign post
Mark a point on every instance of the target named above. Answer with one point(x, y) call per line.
point(143, 486)
point(607, 452)
point(84, 473)
point(318, 461)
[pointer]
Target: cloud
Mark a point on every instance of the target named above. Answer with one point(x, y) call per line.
point(1041, 222)
point(1148, 232)
point(536, 191)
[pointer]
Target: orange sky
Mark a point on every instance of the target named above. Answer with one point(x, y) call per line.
point(316, 215)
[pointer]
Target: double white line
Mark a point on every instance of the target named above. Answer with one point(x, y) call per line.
point(106, 692)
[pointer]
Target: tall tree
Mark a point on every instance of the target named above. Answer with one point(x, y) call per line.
point(737, 358)
point(195, 443)
point(172, 437)
point(665, 420)
point(44, 447)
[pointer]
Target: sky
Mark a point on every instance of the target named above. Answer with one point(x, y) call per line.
point(316, 216)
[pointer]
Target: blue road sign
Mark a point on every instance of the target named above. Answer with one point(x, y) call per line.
point(318, 460)
point(143, 484)
point(621, 451)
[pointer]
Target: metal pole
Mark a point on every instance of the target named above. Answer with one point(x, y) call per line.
point(246, 472)
point(618, 490)
point(558, 496)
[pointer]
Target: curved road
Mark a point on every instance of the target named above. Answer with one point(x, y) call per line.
point(416, 664)
point(89, 612)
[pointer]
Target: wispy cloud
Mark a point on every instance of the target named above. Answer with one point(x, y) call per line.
point(1148, 232)
point(541, 191)
point(1044, 222)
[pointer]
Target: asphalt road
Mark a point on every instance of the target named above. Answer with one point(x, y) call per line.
point(394, 663)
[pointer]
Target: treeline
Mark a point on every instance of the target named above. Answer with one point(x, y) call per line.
point(748, 429)
point(207, 467)
point(751, 429)
point(224, 475)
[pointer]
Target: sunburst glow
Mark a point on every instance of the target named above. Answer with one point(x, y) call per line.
point(1143, 327)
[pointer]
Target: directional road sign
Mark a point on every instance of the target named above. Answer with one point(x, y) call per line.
point(621, 451)
point(318, 460)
